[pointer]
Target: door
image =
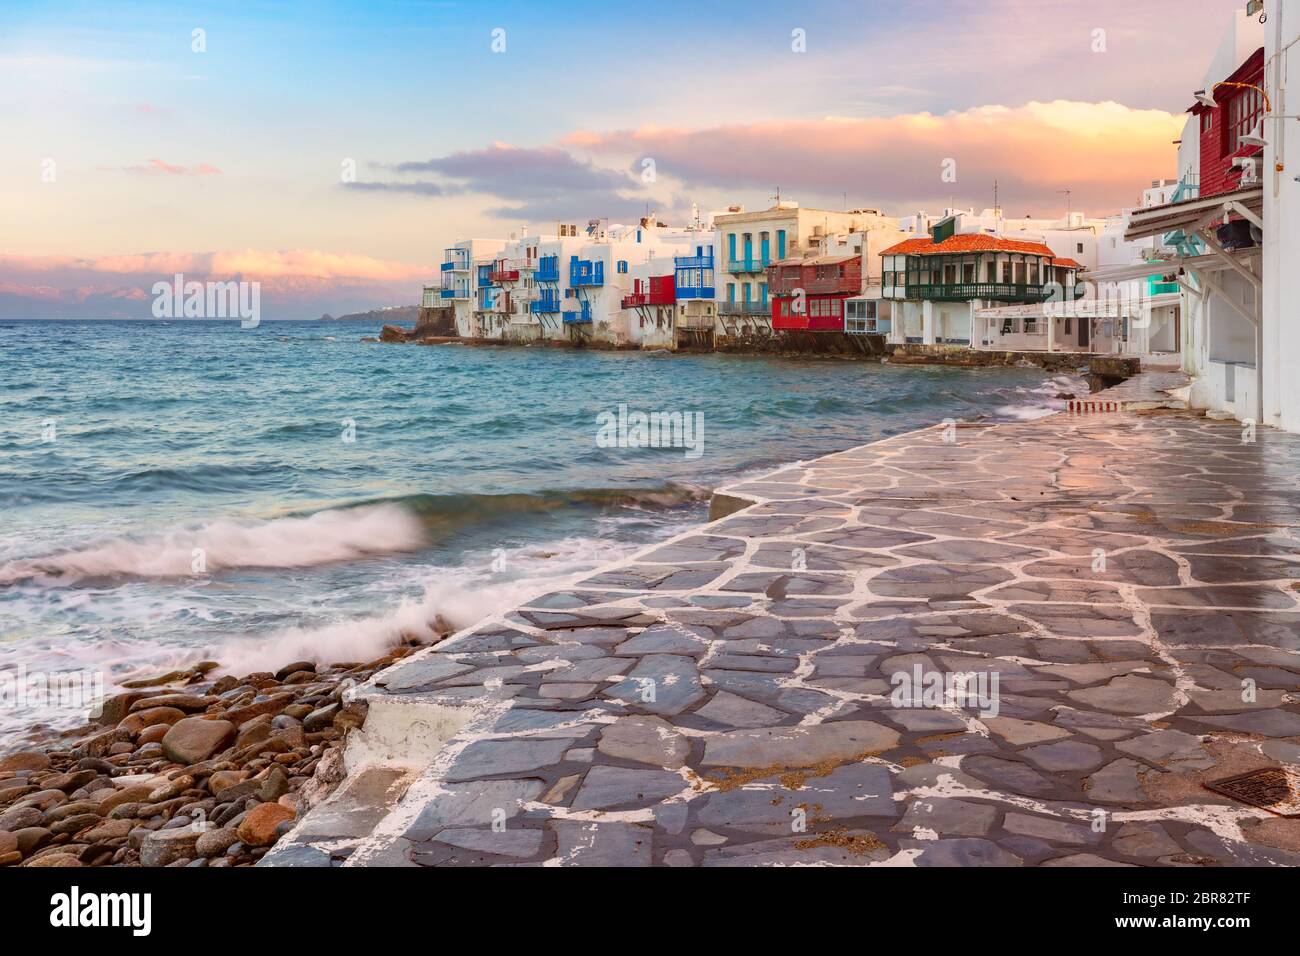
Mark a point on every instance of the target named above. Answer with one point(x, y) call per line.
point(1085, 330)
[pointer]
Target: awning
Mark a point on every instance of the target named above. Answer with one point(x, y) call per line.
point(1190, 215)
point(1083, 308)
point(1164, 267)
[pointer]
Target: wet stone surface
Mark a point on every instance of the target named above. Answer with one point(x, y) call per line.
point(1092, 616)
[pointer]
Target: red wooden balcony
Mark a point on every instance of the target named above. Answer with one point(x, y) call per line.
point(661, 290)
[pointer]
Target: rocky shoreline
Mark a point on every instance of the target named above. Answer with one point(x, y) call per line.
point(184, 769)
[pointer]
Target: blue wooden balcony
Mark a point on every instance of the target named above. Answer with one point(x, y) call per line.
point(545, 305)
point(694, 277)
point(580, 317)
point(586, 272)
point(548, 269)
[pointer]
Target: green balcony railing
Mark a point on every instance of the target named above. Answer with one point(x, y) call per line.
point(741, 266)
point(963, 291)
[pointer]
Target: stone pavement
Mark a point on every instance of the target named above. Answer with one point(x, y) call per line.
point(1121, 591)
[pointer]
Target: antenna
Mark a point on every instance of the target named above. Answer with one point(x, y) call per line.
point(777, 197)
point(1067, 201)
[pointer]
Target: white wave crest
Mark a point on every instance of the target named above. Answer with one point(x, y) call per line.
point(290, 542)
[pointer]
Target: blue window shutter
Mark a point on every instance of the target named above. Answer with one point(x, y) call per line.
point(780, 243)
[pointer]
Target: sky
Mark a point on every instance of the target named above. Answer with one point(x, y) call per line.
point(331, 150)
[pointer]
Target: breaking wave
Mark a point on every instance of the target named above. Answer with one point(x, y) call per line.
point(347, 533)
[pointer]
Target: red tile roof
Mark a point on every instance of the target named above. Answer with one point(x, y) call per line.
point(967, 242)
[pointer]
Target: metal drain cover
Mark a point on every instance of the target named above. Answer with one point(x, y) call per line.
point(1275, 789)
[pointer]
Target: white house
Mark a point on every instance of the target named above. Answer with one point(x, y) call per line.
point(1281, 188)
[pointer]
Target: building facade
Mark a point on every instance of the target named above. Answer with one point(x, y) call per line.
point(938, 284)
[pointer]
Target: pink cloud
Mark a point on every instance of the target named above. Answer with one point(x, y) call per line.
point(158, 167)
point(1103, 152)
point(253, 263)
point(295, 283)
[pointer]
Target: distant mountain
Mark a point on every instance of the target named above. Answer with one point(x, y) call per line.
point(390, 314)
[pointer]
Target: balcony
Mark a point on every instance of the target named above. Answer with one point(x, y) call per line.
point(696, 323)
point(502, 274)
point(693, 277)
point(548, 269)
point(648, 298)
point(965, 291)
point(752, 307)
point(1157, 286)
point(868, 326)
point(545, 305)
point(786, 280)
point(747, 266)
point(586, 272)
point(455, 292)
point(834, 285)
point(455, 260)
point(580, 317)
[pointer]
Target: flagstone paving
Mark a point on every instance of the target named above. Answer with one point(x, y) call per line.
point(1131, 580)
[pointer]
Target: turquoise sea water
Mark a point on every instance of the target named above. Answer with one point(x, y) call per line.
point(174, 491)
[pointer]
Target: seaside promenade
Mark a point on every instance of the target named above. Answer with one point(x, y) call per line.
point(1119, 588)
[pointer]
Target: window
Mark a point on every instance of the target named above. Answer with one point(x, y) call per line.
point(1243, 111)
point(622, 266)
point(1207, 120)
point(1078, 248)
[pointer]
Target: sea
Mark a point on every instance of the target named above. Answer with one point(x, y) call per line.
point(178, 491)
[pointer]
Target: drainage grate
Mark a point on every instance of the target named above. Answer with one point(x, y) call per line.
point(1275, 789)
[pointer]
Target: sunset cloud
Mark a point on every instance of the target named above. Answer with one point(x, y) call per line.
point(1102, 152)
point(296, 283)
point(253, 263)
point(542, 182)
point(156, 167)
